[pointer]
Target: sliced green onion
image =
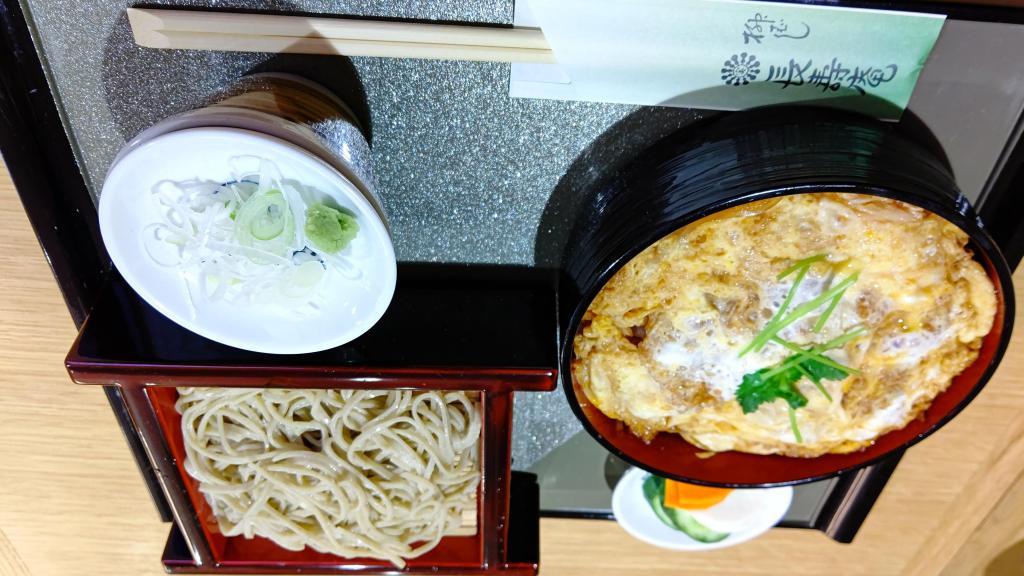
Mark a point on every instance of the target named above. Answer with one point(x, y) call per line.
point(805, 263)
point(828, 312)
point(785, 303)
point(843, 339)
point(792, 424)
point(800, 311)
point(782, 367)
point(789, 296)
point(265, 218)
point(818, 385)
point(814, 354)
point(803, 266)
point(816, 351)
point(821, 388)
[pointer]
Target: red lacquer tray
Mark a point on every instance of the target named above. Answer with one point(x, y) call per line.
point(457, 554)
point(427, 340)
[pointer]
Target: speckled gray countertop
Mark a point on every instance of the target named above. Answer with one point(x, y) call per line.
point(466, 173)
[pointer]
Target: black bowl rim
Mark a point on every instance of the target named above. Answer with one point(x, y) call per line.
point(979, 238)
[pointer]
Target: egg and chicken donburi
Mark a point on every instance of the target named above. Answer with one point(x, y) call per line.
point(801, 325)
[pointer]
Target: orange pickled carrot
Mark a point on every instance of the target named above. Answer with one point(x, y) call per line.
point(691, 496)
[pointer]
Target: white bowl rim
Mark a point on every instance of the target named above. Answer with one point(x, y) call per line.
point(350, 191)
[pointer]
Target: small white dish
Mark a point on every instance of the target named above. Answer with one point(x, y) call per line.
point(126, 208)
point(635, 516)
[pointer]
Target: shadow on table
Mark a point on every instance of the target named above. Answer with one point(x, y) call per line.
point(143, 86)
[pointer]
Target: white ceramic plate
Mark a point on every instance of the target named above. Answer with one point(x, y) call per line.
point(262, 123)
point(634, 514)
point(126, 208)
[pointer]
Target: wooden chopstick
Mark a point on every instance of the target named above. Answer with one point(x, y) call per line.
point(200, 30)
point(297, 45)
point(335, 28)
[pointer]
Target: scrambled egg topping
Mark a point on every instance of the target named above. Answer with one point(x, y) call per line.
point(659, 347)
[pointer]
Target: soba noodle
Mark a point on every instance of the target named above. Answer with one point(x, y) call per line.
point(377, 474)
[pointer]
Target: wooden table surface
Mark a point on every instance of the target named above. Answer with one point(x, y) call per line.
point(72, 501)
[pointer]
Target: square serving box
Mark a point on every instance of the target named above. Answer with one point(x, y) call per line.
point(425, 341)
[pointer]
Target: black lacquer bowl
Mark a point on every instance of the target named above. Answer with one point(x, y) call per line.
point(741, 158)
